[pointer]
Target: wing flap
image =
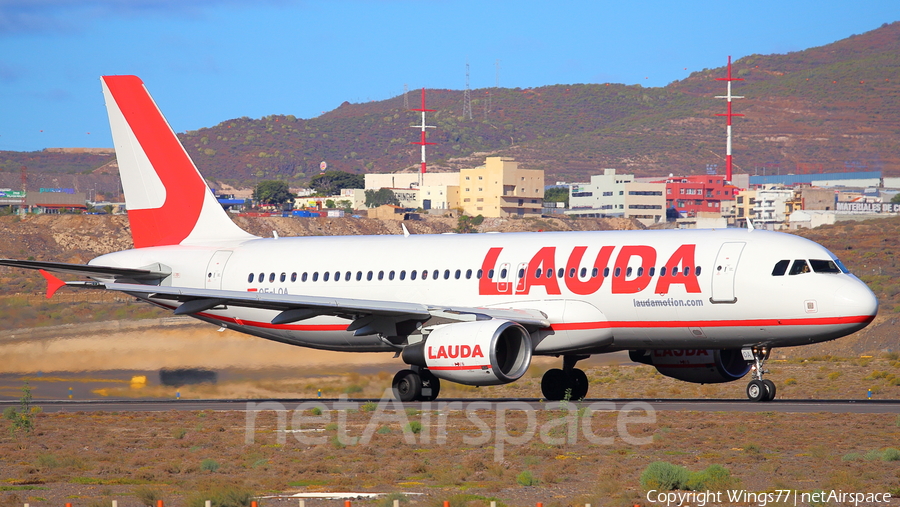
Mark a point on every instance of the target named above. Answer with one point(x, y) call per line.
point(139, 275)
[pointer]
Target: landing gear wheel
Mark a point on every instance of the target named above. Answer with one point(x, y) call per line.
point(554, 384)
point(578, 382)
point(431, 386)
point(407, 385)
point(770, 390)
point(756, 390)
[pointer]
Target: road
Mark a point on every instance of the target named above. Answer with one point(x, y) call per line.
point(700, 405)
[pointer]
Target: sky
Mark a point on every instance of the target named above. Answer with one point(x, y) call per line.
point(207, 61)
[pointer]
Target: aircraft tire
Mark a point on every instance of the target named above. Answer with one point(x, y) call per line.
point(554, 384)
point(756, 390)
point(770, 390)
point(578, 382)
point(407, 385)
point(429, 381)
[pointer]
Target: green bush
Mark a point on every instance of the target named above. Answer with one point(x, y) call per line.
point(222, 496)
point(713, 477)
point(890, 454)
point(147, 495)
point(209, 465)
point(852, 456)
point(664, 476)
point(413, 426)
point(526, 479)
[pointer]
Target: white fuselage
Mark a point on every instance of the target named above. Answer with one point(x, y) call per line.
point(724, 294)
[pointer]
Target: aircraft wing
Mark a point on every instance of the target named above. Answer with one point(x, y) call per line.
point(369, 316)
point(141, 275)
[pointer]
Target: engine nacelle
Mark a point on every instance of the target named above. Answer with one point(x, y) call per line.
point(479, 353)
point(699, 366)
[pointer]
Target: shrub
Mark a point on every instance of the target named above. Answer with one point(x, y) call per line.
point(368, 406)
point(852, 456)
point(413, 426)
point(147, 495)
point(890, 454)
point(790, 381)
point(179, 433)
point(209, 465)
point(526, 479)
point(713, 477)
point(222, 496)
point(664, 476)
point(315, 411)
point(873, 455)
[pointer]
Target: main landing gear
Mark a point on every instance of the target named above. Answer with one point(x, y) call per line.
point(569, 383)
point(759, 389)
point(416, 384)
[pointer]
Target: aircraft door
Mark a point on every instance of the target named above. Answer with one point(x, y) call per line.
point(521, 275)
point(216, 269)
point(503, 279)
point(723, 273)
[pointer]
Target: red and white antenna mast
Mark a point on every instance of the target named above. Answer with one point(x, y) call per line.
point(728, 115)
point(422, 141)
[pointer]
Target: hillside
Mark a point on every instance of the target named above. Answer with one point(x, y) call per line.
point(825, 108)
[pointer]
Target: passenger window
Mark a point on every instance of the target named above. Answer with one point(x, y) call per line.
point(674, 271)
point(583, 272)
point(627, 272)
point(652, 270)
point(640, 271)
point(571, 272)
point(261, 277)
point(325, 276)
point(412, 275)
point(618, 272)
point(436, 273)
point(686, 271)
point(521, 273)
point(391, 275)
point(538, 273)
point(403, 274)
point(337, 276)
point(697, 271)
point(824, 266)
point(447, 274)
point(479, 274)
point(503, 273)
point(315, 276)
point(457, 274)
point(381, 275)
point(271, 277)
point(595, 272)
point(662, 271)
point(283, 277)
point(799, 267)
point(605, 272)
point(780, 267)
point(468, 274)
point(303, 277)
point(369, 276)
point(250, 278)
point(491, 274)
point(347, 276)
point(560, 272)
point(359, 275)
point(294, 277)
point(424, 274)
point(549, 272)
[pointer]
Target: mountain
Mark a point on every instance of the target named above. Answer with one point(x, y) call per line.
point(828, 108)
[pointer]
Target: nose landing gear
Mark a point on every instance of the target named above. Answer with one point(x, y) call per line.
point(759, 389)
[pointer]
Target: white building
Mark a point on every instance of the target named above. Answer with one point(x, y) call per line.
point(770, 207)
point(604, 196)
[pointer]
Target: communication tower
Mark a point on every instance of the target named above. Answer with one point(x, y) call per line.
point(405, 96)
point(728, 116)
point(422, 141)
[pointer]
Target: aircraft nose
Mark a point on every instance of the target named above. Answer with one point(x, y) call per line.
point(856, 299)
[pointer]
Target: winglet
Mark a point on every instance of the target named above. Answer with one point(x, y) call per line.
point(53, 283)
point(405, 230)
point(750, 224)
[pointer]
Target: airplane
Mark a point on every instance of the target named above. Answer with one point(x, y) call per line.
point(701, 306)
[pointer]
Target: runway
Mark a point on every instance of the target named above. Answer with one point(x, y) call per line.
point(677, 405)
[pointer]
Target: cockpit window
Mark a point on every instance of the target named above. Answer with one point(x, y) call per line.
point(841, 265)
point(824, 266)
point(780, 268)
point(799, 267)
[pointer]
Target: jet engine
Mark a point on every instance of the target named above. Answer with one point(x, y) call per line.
point(699, 366)
point(479, 353)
